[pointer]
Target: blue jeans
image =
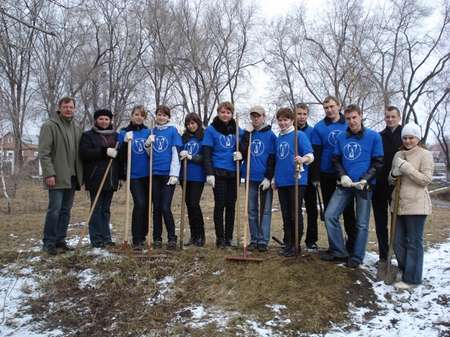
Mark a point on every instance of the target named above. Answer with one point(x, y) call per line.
point(340, 199)
point(60, 203)
point(408, 247)
point(99, 231)
point(259, 232)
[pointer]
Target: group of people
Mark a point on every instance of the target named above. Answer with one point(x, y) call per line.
point(353, 166)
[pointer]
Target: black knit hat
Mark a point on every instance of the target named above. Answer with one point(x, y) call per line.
point(103, 112)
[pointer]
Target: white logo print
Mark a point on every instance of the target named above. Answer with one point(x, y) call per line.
point(352, 151)
point(161, 143)
point(332, 136)
point(138, 147)
point(283, 150)
point(226, 141)
point(192, 148)
point(257, 147)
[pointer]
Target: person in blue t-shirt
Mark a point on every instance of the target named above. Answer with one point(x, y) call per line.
point(220, 156)
point(357, 156)
point(262, 164)
point(323, 173)
point(136, 134)
point(285, 172)
point(195, 179)
point(166, 142)
point(310, 196)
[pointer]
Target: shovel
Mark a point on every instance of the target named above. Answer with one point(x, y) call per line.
point(388, 272)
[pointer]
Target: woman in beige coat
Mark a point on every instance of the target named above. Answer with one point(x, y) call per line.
point(413, 164)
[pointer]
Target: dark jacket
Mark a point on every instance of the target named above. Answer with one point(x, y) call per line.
point(392, 141)
point(93, 147)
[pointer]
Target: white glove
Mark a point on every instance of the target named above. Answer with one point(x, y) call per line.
point(346, 181)
point(301, 160)
point(172, 180)
point(111, 152)
point(272, 183)
point(396, 163)
point(360, 185)
point(128, 136)
point(149, 141)
point(211, 180)
point(237, 156)
point(249, 128)
point(185, 154)
point(265, 184)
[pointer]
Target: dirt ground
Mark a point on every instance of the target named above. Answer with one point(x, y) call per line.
point(125, 298)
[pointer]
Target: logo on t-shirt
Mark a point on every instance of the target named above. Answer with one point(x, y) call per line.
point(192, 147)
point(161, 143)
point(257, 147)
point(226, 141)
point(283, 150)
point(352, 151)
point(332, 136)
point(138, 147)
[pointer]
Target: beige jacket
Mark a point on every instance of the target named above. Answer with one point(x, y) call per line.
point(417, 173)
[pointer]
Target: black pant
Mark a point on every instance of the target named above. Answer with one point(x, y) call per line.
point(194, 191)
point(380, 201)
point(224, 200)
point(328, 185)
point(311, 212)
point(286, 196)
point(162, 195)
point(139, 221)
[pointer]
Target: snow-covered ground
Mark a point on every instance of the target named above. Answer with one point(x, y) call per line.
point(423, 311)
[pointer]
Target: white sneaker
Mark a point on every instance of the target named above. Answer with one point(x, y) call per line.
point(404, 286)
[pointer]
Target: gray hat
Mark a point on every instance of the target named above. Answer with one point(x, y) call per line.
point(411, 129)
point(258, 109)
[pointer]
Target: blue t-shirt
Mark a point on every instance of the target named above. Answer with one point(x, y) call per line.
point(284, 161)
point(139, 157)
point(308, 131)
point(195, 172)
point(222, 146)
point(165, 139)
point(356, 152)
point(324, 134)
point(263, 145)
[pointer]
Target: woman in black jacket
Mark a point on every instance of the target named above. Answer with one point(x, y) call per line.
point(97, 147)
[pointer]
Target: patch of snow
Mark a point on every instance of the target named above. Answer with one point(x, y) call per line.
point(422, 311)
point(163, 290)
point(218, 272)
point(87, 277)
point(259, 330)
point(198, 317)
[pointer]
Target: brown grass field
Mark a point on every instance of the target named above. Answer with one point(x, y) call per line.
point(122, 298)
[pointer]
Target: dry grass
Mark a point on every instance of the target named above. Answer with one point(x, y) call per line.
point(117, 303)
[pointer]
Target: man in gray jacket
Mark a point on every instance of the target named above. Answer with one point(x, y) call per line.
point(62, 171)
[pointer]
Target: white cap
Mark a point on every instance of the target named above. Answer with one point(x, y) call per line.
point(258, 109)
point(412, 129)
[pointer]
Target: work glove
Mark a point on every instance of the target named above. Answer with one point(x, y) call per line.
point(406, 167)
point(346, 181)
point(237, 156)
point(272, 183)
point(185, 154)
point(360, 185)
point(265, 184)
point(149, 141)
point(111, 152)
point(172, 180)
point(250, 128)
point(396, 164)
point(128, 136)
point(211, 180)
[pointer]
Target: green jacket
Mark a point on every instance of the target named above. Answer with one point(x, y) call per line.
point(58, 151)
